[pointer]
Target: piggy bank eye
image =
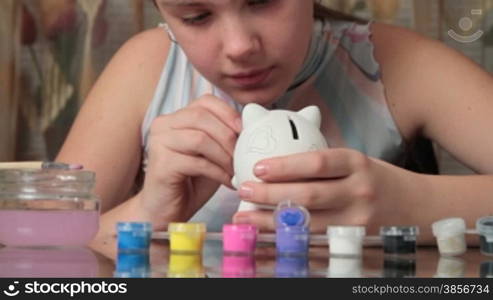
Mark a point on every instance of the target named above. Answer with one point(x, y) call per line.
point(294, 130)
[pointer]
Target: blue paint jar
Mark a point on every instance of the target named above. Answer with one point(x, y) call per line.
point(292, 228)
point(134, 236)
point(133, 265)
point(292, 266)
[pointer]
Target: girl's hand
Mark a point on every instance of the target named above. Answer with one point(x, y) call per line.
point(337, 186)
point(190, 155)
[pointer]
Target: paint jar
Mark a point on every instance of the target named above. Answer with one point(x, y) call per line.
point(451, 236)
point(47, 207)
point(450, 267)
point(399, 239)
point(345, 267)
point(292, 266)
point(484, 226)
point(185, 265)
point(346, 240)
point(238, 266)
point(239, 238)
point(486, 269)
point(292, 228)
point(133, 265)
point(186, 237)
point(133, 236)
point(399, 267)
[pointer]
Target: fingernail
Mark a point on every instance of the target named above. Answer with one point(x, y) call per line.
point(239, 124)
point(261, 169)
point(241, 220)
point(246, 192)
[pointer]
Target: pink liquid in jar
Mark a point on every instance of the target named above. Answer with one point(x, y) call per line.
point(52, 228)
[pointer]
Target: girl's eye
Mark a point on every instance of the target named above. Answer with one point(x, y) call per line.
point(258, 2)
point(195, 20)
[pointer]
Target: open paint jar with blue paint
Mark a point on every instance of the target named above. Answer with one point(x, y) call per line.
point(292, 228)
point(47, 207)
point(484, 226)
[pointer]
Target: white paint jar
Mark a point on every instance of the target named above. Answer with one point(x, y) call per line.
point(450, 236)
point(346, 240)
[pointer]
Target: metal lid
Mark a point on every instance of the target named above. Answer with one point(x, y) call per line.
point(485, 226)
point(187, 227)
point(449, 227)
point(348, 231)
point(399, 230)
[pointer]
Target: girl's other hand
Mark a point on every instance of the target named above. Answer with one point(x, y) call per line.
point(337, 186)
point(190, 155)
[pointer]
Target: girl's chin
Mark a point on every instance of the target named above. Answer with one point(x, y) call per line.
point(265, 99)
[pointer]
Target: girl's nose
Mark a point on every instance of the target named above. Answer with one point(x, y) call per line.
point(240, 42)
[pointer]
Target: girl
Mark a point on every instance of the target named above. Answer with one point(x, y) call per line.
point(169, 105)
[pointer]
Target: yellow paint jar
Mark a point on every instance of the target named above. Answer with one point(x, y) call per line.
point(185, 266)
point(186, 237)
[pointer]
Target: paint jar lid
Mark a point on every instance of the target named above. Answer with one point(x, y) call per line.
point(485, 226)
point(346, 231)
point(134, 227)
point(399, 231)
point(187, 227)
point(291, 214)
point(293, 230)
point(449, 227)
point(243, 228)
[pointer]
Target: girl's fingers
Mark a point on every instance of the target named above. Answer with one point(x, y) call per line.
point(203, 120)
point(184, 166)
point(327, 194)
point(323, 164)
point(222, 110)
point(197, 143)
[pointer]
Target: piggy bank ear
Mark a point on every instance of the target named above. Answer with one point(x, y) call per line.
point(252, 113)
point(312, 114)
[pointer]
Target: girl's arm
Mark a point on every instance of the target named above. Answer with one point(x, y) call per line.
point(106, 137)
point(437, 92)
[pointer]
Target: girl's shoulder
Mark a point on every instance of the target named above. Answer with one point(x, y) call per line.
point(414, 71)
point(141, 60)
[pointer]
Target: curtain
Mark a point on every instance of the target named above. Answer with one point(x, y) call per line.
point(9, 76)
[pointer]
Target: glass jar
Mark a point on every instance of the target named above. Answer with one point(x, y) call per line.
point(47, 208)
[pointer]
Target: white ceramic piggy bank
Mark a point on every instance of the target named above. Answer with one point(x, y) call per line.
point(268, 134)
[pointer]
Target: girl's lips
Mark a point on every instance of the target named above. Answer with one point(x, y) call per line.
point(250, 80)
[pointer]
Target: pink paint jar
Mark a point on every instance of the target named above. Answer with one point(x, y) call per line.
point(47, 208)
point(238, 266)
point(239, 238)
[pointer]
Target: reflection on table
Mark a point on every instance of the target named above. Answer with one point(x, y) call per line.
point(105, 261)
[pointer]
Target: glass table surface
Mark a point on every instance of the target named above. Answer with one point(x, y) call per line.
point(103, 260)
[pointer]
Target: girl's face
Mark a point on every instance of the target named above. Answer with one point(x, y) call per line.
point(251, 49)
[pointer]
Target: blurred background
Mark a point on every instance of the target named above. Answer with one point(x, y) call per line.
point(52, 51)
